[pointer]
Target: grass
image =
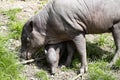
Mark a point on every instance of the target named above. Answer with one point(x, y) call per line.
point(9, 70)
point(75, 64)
point(11, 14)
point(42, 75)
point(65, 69)
point(15, 26)
point(102, 48)
point(99, 52)
point(117, 64)
point(105, 40)
point(97, 70)
point(100, 71)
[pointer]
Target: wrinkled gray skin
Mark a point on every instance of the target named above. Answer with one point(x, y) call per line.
point(63, 20)
point(57, 52)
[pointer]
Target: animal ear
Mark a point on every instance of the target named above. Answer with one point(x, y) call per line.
point(31, 26)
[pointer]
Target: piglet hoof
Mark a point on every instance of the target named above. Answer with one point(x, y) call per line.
point(53, 71)
point(52, 76)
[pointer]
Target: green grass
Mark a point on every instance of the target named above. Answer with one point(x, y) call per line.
point(65, 69)
point(117, 64)
point(102, 48)
point(100, 71)
point(105, 40)
point(11, 13)
point(9, 70)
point(75, 63)
point(15, 25)
point(15, 28)
point(42, 75)
point(97, 70)
point(99, 52)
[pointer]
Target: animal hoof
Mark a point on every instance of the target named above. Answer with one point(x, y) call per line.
point(52, 72)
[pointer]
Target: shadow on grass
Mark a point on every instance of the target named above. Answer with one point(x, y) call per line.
point(95, 53)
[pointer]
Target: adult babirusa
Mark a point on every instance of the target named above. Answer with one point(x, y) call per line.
point(63, 20)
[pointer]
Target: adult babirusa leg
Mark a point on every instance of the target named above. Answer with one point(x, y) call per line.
point(80, 43)
point(116, 36)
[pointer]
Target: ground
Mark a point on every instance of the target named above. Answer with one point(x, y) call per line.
point(28, 9)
